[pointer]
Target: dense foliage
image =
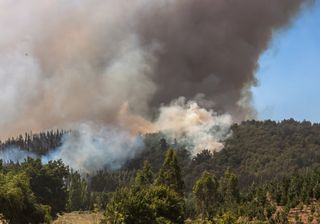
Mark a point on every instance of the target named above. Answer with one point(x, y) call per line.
point(257, 151)
point(265, 170)
point(32, 192)
point(213, 199)
point(147, 201)
point(47, 181)
point(17, 202)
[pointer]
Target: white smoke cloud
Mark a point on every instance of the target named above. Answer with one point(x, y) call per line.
point(185, 121)
point(15, 155)
point(91, 148)
point(199, 128)
point(65, 63)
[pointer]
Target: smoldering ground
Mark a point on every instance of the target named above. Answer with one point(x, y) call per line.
point(117, 63)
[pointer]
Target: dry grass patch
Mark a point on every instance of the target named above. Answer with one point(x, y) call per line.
point(79, 218)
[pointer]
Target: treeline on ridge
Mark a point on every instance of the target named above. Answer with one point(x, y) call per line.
point(40, 143)
point(273, 167)
point(257, 151)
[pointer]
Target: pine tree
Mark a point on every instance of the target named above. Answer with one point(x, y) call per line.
point(77, 193)
point(170, 173)
point(206, 192)
point(229, 187)
point(145, 176)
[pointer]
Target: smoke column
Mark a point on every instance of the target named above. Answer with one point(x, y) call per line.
point(123, 63)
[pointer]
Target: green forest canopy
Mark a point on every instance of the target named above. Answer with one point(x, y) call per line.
point(260, 158)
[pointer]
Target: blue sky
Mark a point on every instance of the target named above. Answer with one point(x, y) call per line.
point(289, 74)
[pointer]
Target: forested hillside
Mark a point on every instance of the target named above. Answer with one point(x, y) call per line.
point(257, 151)
point(260, 151)
point(266, 171)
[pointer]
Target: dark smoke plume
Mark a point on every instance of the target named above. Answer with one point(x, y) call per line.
point(212, 47)
point(72, 61)
point(140, 65)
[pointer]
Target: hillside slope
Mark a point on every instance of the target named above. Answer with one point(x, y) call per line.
point(257, 151)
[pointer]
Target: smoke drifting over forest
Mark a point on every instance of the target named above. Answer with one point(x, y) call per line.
point(13, 154)
point(125, 63)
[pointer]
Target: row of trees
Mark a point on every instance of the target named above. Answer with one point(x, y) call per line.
point(150, 199)
point(162, 197)
point(39, 144)
point(265, 157)
point(32, 192)
point(257, 151)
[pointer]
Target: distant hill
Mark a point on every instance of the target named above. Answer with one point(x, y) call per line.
point(257, 151)
point(260, 151)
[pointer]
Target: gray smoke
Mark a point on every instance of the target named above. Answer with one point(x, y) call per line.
point(91, 148)
point(65, 62)
point(212, 47)
point(14, 154)
point(193, 126)
point(122, 65)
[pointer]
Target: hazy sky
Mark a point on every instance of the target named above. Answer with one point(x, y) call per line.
point(289, 74)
